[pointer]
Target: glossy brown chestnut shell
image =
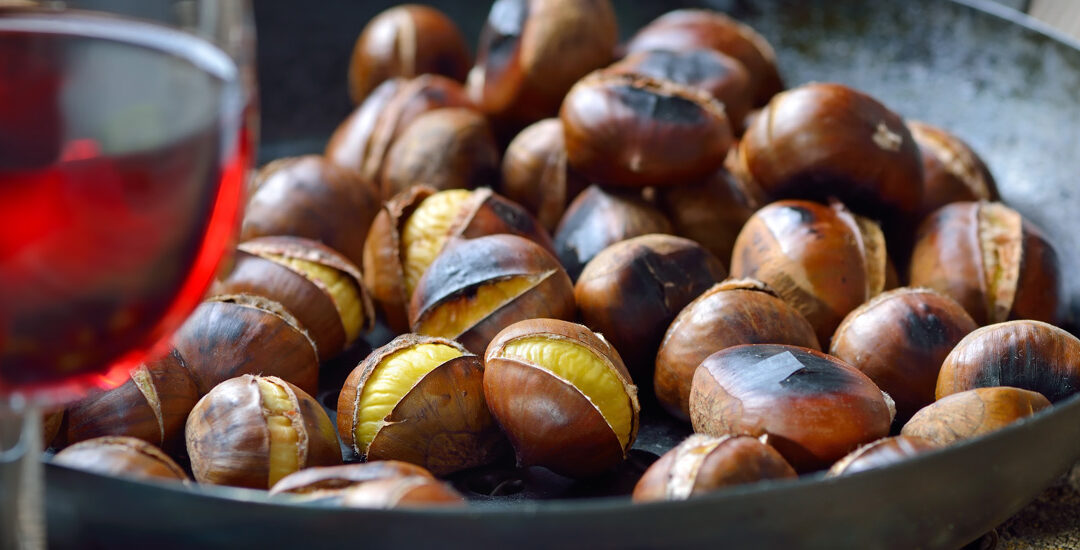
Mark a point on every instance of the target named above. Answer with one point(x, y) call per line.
point(713, 211)
point(1030, 355)
point(508, 279)
point(402, 492)
point(822, 141)
point(731, 313)
point(952, 172)
point(899, 339)
point(536, 174)
point(823, 260)
point(440, 421)
point(532, 51)
point(310, 197)
point(702, 464)
point(993, 262)
point(445, 149)
point(811, 407)
point(235, 334)
point(230, 437)
point(634, 131)
point(973, 413)
point(333, 478)
point(121, 456)
point(691, 29)
point(632, 290)
point(152, 405)
point(599, 218)
point(407, 41)
point(880, 454)
point(549, 420)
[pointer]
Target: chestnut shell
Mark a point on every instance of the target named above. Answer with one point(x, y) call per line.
point(121, 456)
point(880, 454)
point(974, 412)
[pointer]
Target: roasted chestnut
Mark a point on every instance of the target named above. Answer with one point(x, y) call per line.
point(713, 211)
point(415, 226)
point(599, 218)
point(401, 492)
point(562, 396)
point(532, 51)
point(507, 279)
point(310, 197)
point(899, 339)
point(731, 313)
point(361, 141)
point(151, 405)
point(881, 453)
point(973, 413)
point(235, 334)
point(536, 174)
point(823, 260)
point(444, 149)
point(692, 29)
point(811, 407)
point(635, 131)
point(702, 464)
point(51, 423)
point(990, 259)
point(406, 41)
point(324, 479)
point(251, 431)
point(631, 291)
point(121, 456)
point(952, 172)
point(1031, 355)
point(822, 141)
point(722, 76)
point(420, 400)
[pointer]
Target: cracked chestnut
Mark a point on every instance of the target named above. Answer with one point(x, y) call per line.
point(952, 171)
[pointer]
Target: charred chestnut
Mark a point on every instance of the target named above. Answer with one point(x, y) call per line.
point(991, 260)
point(952, 172)
point(406, 41)
point(811, 407)
point(121, 456)
point(881, 453)
point(731, 313)
point(536, 174)
point(631, 291)
point(1024, 354)
point(973, 413)
point(562, 395)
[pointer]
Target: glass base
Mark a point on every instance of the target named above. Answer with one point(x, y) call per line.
point(22, 519)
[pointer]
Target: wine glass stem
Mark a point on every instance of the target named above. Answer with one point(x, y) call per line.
point(22, 506)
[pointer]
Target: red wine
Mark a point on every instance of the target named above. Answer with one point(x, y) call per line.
point(121, 172)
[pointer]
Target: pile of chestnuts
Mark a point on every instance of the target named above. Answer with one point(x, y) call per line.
point(513, 267)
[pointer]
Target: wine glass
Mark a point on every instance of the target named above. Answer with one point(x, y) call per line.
point(126, 136)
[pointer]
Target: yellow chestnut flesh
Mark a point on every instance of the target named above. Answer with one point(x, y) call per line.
point(455, 317)
point(277, 407)
point(426, 232)
point(339, 285)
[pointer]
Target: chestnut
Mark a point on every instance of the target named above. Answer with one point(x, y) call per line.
point(722, 76)
point(899, 339)
point(972, 413)
point(51, 423)
point(731, 313)
point(1031, 355)
point(823, 260)
point(322, 479)
point(420, 400)
point(532, 51)
point(235, 334)
point(822, 141)
point(635, 131)
point(713, 211)
point(151, 405)
point(406, 41)
point(562, 396)
point(251, 431)
point(952, 171)
point(881, 453)
point(361, 142)
point(599, 218)
point(991, 260)
point(121, 456)
point(477, 287)
point(401, 492)
point(449, 148)
point(811, 407)
point(415, 226)
point(310, 197)
point(536, 174)
point(692, 29)
point(702, 464)
point(631, 291)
